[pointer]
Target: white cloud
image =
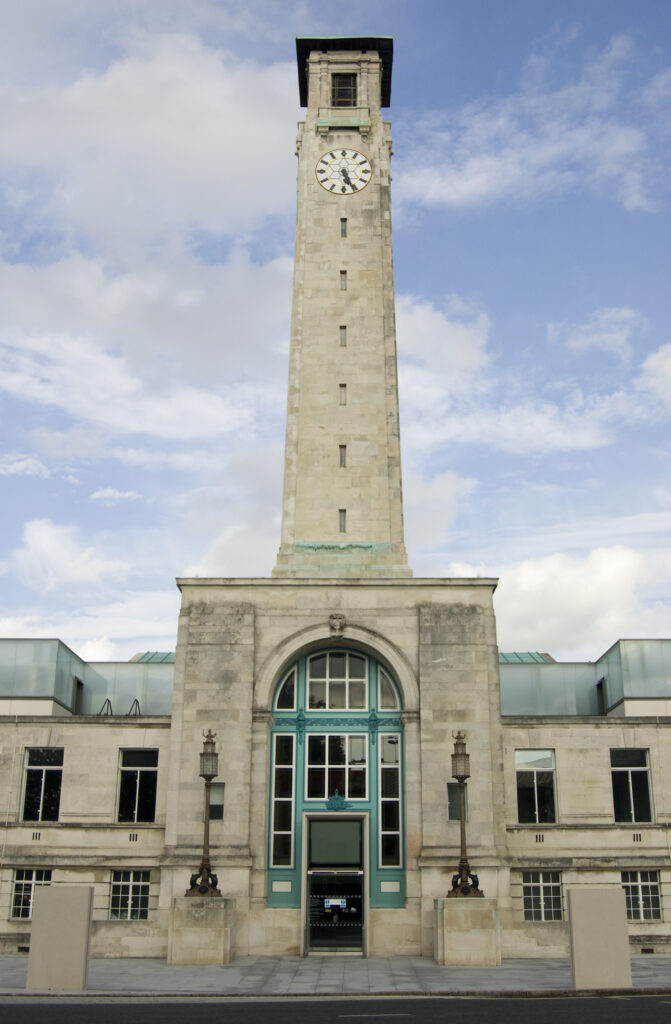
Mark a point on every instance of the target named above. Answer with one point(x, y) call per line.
point(99, 648)
point(658, 91)
point(453, 392)
point(559, 603)
point(536, 142)
point(655, 376)
point(22, 465)
point(128, 622)
point(240, 550)
point(455, 337)
point(111, 496)
point(114, 147)
point(575, 607)
point(523, 429)
point(609, 330)
point(431, 506)
point(239, 510)
point(73, 374)
point(52, 555)
point(178, 316)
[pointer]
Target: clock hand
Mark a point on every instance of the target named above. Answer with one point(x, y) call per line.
point(345, 177)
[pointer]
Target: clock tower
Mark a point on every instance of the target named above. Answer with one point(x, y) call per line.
point(334, 687)
point(342, 511)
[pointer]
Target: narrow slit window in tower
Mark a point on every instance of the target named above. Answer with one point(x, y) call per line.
point(343, 227)
point(342, 519)
point(343, 280)
point(343, 336)
point(342, 390)
point(342, 454)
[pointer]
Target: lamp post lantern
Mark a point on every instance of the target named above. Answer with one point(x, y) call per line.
point(464, 882)
point(203, 882)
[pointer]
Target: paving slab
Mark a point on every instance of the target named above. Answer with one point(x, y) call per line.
point(321, 976)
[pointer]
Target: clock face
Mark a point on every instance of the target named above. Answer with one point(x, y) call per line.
point(343, 171)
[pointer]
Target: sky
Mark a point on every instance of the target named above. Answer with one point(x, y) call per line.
point(147, 210)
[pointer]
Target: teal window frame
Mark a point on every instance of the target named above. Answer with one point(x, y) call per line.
point(284, 882)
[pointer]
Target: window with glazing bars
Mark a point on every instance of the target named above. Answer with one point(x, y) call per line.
point(137, 785)
point(641, 889)
point(129, 899)
point(535, 786)
point(283, 802)
point(631, 785)
point(337, 680)
point(541, 893)
point(337, 764)
point(343, 90)
point(26, 881)
point(44, 772)
point(390, 799)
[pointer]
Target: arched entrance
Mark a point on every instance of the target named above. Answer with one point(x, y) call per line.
point(335, 842)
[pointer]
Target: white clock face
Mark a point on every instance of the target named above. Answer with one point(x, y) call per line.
point(343, 171)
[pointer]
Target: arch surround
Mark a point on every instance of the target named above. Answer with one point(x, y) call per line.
point(304, 641)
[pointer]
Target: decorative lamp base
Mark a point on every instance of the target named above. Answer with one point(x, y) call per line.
point(465, 884)
point(203, 883)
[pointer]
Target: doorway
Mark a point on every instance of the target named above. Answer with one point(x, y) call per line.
point(334, 920)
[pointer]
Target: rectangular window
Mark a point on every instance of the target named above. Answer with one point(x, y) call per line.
point(342, 394)
point(390, 800)
point(541, 891)
point(343, 336)
point(137, 785)
point(343, 280)
point(44, 771)
point(217, 801)
point(641, 889)
point(337, 681)
point(130, 896)
point(454, 802)
point(25, 882)
point(342, 520)
point(343, 90)
point(342, 455)
point(343, 227)
point(631, 785)
point(336, 765)
point(535, 786)
point(283, 802)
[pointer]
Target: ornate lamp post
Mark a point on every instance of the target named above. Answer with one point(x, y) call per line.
point(464, 883)
point(203, 882)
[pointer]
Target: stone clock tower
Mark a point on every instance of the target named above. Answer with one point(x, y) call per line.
point(342, 510)
point(334, 686)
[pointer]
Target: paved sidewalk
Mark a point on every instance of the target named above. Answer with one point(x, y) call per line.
point(329, 975)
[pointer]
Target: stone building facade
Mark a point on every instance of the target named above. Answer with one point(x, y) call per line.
point(336, 686)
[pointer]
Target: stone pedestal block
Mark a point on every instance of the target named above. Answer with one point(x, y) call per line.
point(467, 933)
point(599, 937)
point(59, 940)
point(201, 931)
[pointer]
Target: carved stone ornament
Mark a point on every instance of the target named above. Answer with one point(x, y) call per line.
point(337, 623)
